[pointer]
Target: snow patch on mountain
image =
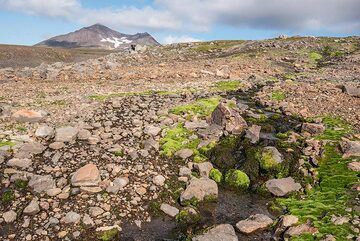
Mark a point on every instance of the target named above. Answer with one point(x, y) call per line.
point(117, 41)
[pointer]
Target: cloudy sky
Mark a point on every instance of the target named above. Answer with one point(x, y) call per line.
point(31, 21)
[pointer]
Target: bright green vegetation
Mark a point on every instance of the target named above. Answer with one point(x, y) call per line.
point(215, 175)
point(108, 235)
point(314, 57)
point(119, 153)
point(335, 128)
point(186, 216)
point(201, 107)
point(216, 45)
point(333, 193)
point(175, 139)
point(230, 85)
point(126, 94)
point(21, 129)
point(7, 197)
point(237, 179)
point(278, 95)
point(266, 160)
point(7, 143)
point(21, 184)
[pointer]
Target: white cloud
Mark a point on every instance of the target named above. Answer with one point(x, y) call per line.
point(179, 39)
point(203, 15)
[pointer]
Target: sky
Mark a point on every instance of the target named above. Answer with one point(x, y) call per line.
point(28, 22)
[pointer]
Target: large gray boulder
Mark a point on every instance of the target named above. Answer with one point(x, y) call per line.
point(200, 190)
point(222, 232)
point(282, 187)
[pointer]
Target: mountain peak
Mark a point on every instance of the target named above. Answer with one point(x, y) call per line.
point(99, 36)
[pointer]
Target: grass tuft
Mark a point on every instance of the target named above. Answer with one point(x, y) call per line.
point(201, 107)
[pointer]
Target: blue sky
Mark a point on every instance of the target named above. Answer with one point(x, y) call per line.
point(30, 21)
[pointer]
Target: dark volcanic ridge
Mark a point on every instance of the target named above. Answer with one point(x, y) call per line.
point(101, 37)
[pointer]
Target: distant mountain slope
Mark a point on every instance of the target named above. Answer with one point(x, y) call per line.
point(99, 36)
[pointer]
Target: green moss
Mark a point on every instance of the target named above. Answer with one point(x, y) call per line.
point(175, 139)
point(237, 179)
point(230, 85)
point(21, 184)
point(215, 175)
point(266, 160)
point(108, 235)
point(126, 94)
point(335, 128)
point(222, 155)
point(330, 197)
point(314, 57)
point(187, 217)
point(201, 107)
point(278, 95)
point(216, 45)
point(119, 153)
point(7, 143)
point(7, 197)
point(194, 202)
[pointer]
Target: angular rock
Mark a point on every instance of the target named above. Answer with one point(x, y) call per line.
point(169, 210)
point(203, 168)
point(222, 232)
point(19, 162)
point(29, 149)
point(195, 125)
point(313, 128)
point(9, 216)
point(354, 166)
point(95, 211)
point(350, 148)
point(253, 133)
point(282, 187)
point(184, 153)
point(71, 217)
point(41, 183)
point(200, 190)
point(223, 72)
point(152, 130)
point(254, 223)
point(86, 176)
point(66, 134)
point(33, 207)
point(28, 116)
point(228, 118)
point(53, 192)
point(299, 230)
point(57, 145)
point(44, 131)
point(159, 180)
point(87, 220)
point(84, 134)
point(352, 90)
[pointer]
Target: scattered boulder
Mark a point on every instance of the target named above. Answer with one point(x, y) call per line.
point(352, 90)
point(41, 183)
point(169, 210)
point(66, 134)
point(184, 153)
point(254, 223)
point(354, 166)
point(299, 230)
point(222, 232)
point(86, 176)
point(199, 190)
point(30, 116)
point(313, 128)
point(9, 216)
point(253, 134)
point(33, 207)
point(350, 148)
point(19, 162)
point(227, 116)
point(282, 187)
point(44, 131)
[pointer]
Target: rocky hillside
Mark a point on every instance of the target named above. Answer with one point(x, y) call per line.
point(100, 37)
point(220, 141)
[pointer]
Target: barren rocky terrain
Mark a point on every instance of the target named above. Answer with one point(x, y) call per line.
point(223, 140)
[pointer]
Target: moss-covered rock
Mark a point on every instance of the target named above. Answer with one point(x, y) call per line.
point(270, 158)
point(237, 179)
point(223, 154)
point(215, 175)
point(188, 216)
point(108, 235)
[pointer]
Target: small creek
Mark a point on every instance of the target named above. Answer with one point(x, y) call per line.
point(231, 206)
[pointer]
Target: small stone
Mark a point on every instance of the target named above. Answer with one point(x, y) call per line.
point(289, 220)
point(222, 232)
point(9, 216)
point(19, 162)
point(184, 171)
point(28, 116)
point(86, 176)
point(299, 230)
point(169, 210)
point(152, 130)
point(87, 220)
point(282, 187)
point(33, 208)
point(53, 192)
point(159, 180)
point(199, 189)
point(41, 183)
point(254, 223)
point(354, 166)
point(84, 134)
point(203, 168)
point(184, 153)
point(66, 134)
point(313, 128)
point(44, 131)
point(71, 217)
point(57, 145)
point(253, 133)
point(95, 211)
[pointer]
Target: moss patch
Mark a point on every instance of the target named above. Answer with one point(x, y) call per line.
point(215, 175)
point(237, 179)
point(7, 143)
point(278, 95)
point(266, 160)
point(7, 197)
point(314, 57)
point(201, 107)
point(186, 217)
point(108, 235)
point(222, 155)
point(230, 85)
point(335, 128)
